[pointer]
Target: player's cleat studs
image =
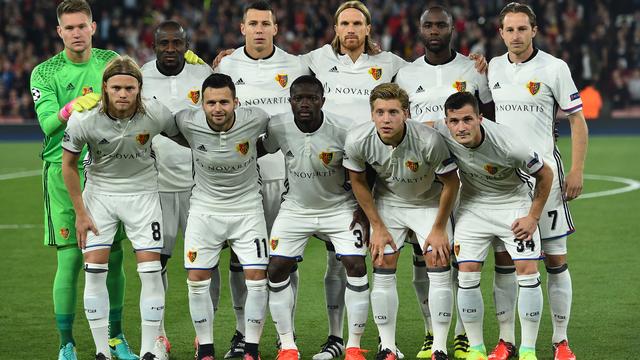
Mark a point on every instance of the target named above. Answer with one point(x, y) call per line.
point(439, 355)
point(461, 346)
point(425, 350)
point(562, 351)
point(236, 349)
point(288, 354)
point(354, 353)
point(386, 354)
point(68, 352)
point(120, 349)
point(333, 348)
point(503, 351)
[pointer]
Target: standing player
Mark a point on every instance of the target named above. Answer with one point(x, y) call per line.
point(122, 186)
point(407, 156)
point(496, 204)
point(177, 85)
point(262, 73)
point(526, 84)
point(74, 72)
point(429, 80)
point(318, 202)
point(226, 205)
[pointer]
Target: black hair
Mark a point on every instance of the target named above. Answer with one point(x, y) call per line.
point(219, 81)
point(308, 80)
point(459, 100)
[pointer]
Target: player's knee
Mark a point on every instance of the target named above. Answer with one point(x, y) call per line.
point(256, 285)
point(198, 287)
point(354, 265)
point(503, 258)
point(554, 261)
point(557, 269)
point(96, 297)
point(469, 280)
point(439, 276)
point(279, 268)
point(529, 280)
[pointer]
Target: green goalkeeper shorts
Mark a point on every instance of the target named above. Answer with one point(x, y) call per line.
point(59, 216)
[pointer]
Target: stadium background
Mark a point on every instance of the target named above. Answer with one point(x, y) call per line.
point(599, 39)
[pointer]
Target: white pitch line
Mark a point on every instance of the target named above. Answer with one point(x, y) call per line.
point(20, 174)
point(19, 226)
point(631, 186)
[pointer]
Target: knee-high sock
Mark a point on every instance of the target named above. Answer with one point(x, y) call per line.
point(560, 297)
point(335, 281)
point(164, 259)
point(214, 288)
point(96, 305)
point(356, 298)
point(471, 307)
point(201, 310)
point(280, 304)
point(384, 303)
point(65, 285)
point(441, 305)
point(151, 303)
point(505, 293)
point(255, 309)
point(116, 286)
point(421, 287)
point(238, 294)
point(294, 280)
point(529, 309)
point(454, 277)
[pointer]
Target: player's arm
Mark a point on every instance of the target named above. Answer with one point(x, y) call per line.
point(438, 238)
point(72, 182)
point(579, 142)
point(46, 103)
point(524, 227)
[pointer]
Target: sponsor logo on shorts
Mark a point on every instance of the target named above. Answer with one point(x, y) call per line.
point(412, 165)
point(274, 243)
point(194, 96)
point(326, 157)
point(376, 72)
point(142, 138)
point(243, 148)
point(86, 90)
point(533, 87)
point(192, 255)
point(456, 249)
point(491, 169)
point(64, 232)
point(282, 79)
point(460, 86)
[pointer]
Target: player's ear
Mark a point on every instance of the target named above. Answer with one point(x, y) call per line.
point(236, 103)
point(94, 26)
point(242, 29)
point(275, 29)
point(59, 31)
point(535, 31)
point(368, 29)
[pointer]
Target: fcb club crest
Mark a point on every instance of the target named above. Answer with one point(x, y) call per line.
point(274, 243)
point(142, 138)
point(282, 79)
point(533, 87)
point(192, 255)
point(243, 148)
point(412, 165)
point(460, 86)
point(326, 157)
point(86, 90)
point(376, 72)
point(194, 96)
point(64, 232)
point(456, 249)
point(491, 169)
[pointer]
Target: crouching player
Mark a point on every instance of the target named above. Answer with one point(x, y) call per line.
point(407, 156)
point(495, 205)
point(121, 186)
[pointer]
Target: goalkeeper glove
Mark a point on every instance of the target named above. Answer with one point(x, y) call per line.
point(191, 58)
point(81, 103)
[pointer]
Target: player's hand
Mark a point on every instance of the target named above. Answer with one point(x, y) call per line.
point(359, 217)
point(221, 55)
point(572, 186)
point(481, 63)
point(524, 227)
point(379, 240)
point(191, 58)
point(439, 242)
point(83, 225)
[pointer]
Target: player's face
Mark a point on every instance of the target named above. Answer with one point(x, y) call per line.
point(435, 31)
point(170, 47)
point(75, 30)
point(219, 105)
point(259, 29)
point(352, 29)
point(122, 91)
point(389, 118)
point(517, 33)
point(306, 102)
point(464, 126)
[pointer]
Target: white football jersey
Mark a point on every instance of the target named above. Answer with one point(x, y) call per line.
point(526, 94)
point(347, 85)
point(226, 174)
point(429, 85)
point(405, 174)
point(494, 174)
point(316, 182)
point(264, 83)
point(120, 160)
point(177, 92)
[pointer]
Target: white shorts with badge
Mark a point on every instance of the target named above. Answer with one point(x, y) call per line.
point(399, 221)
point(140, 214)
point(291, 232)
point(477, 229)
point(206, 235)
point(175, 210)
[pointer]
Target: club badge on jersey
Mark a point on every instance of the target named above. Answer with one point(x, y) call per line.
point(326, 157)
point(243, 148)
point(376, 72)
point(412, 165)
point(282, 79)
point(142, 138)
point(86, 90)
point(460, 86)
point(533, 87)
point(194, 96)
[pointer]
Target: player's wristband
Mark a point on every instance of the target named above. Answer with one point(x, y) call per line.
point(66, 110)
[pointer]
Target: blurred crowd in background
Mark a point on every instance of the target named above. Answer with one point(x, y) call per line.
point(599, 39)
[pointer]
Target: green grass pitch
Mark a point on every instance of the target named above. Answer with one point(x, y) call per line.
point(606, 296)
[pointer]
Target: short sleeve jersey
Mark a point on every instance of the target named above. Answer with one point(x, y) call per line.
point(226, 175)
point(348, 84)
point(405, 174)
point(316, 182)
point(495, 174)
point(57, 81)
point(120, 160)
point(429, 85)
point(527, 94)
point(178, 92)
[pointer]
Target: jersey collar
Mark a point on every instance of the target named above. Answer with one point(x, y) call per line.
point(533, 54)
point(244, 48)
point(454, 54)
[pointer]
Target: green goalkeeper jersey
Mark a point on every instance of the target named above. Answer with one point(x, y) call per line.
point(57, 81)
